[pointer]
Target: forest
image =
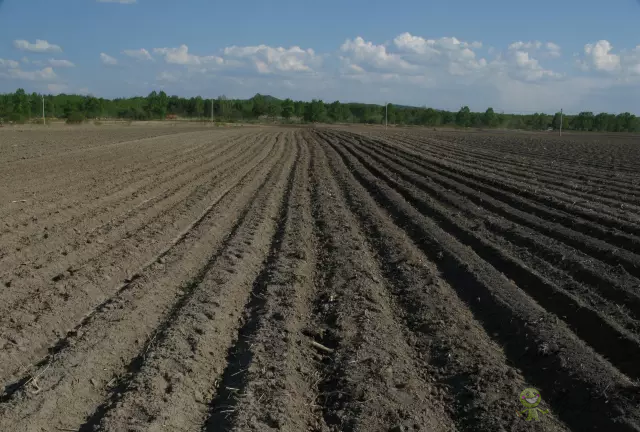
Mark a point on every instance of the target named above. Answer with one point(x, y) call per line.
point(22, 107)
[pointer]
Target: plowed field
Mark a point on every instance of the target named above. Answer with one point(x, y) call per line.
point(294, 279)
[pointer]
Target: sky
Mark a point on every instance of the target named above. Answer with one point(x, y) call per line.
point(514, 56)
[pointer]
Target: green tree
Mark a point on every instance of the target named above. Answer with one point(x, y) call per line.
point(334, 112)
point(287, 108)
point(315, 111)
point(21, 103)
point(584, 121)
point(300, 108)
point(463, 118)
point(259, 105)
point(273, 110)
point(198, 106)
point(91, 107)
point(490, 119)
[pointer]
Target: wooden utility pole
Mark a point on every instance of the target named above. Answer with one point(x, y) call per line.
point(386, 105)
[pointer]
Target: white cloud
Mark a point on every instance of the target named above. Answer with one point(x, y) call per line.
point(108, 60)
point(445, 55)
point(182, 56)
point(9, 63)
point(267, 59)
point(546, 50)
point(554, 49)
point(141, 54)
point(599, 56)
point(363, 53)
point(529, 68)
point(24, 60)
point(46, 74)
point(521, 46)
point(406, 42)
point(39, 46)
point(61, 63)
point(624, 66)
point(444, 72)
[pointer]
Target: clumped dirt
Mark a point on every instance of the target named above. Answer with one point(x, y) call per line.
point(322, 279)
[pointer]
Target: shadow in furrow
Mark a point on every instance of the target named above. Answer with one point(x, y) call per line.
point(331, 398)
point(239, 357)
point(581, 411)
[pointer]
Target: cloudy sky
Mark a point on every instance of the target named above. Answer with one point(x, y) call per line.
point(513, 56)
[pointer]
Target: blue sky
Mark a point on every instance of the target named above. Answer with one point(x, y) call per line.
point(578, 55)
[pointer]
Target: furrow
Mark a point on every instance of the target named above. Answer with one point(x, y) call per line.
point(372, 379)
point(598, 277)
point(472, 376)
point(233, 383)
point(80, 376)
point(278, 382)
point(84, 291)
point(515, 198)
point(606, 337)
point(585, 201)
point(76, 248)
point(595, 247)
point(174, 384)
point(124, 195)
point(542, 347)
point(83, 187)
point(537, 167)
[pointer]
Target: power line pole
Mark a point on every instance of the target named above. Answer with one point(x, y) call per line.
point(386, 105)
point(44, 122)
point(560, 121)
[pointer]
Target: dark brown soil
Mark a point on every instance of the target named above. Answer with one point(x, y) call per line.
point(298, 279)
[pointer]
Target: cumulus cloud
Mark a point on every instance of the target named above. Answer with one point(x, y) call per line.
point(61, 63)
point(9, 64)
point(40, 46)
point(599, 56)
point(443, 72)
point(267, 59)
point(546, 50)
point(368, 55)
point(448, 54)
point(182, 56)
point(46, 74)
point(141, 54)
point(520, 46)
point(624, 65)
point(553, 49)
point(409, 43)
point(108, 60)
point(529, 68)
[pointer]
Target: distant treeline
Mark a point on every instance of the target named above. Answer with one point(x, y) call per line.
point(22, 107)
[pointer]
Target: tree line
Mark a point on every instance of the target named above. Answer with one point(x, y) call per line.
point(20, 107)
